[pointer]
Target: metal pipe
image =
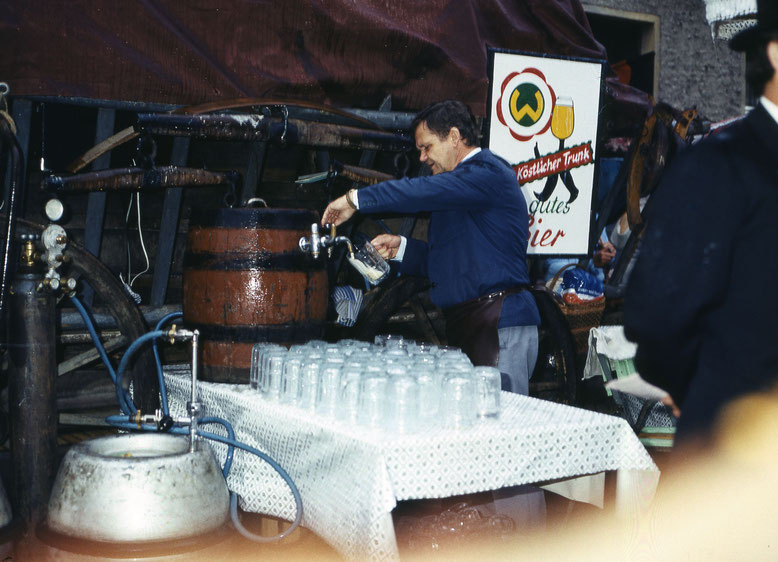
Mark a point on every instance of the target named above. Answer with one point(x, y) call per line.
point(363, 175)
point(70, 319)
point(32, 393)
point(327, 241)
point(252, 127)
point(102, 103)
point(195, 407)
point(16, 183)
point(384, 119)
point(132, 179)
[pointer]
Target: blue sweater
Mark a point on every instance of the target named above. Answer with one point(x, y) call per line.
point(477, 238)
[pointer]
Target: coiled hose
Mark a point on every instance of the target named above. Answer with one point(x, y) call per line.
point(128, 407)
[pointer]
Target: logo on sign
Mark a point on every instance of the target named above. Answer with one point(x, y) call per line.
point(526, 104)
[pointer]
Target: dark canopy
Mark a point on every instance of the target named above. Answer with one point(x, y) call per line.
point(339, 52)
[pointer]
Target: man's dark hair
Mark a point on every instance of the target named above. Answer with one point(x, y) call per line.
point(759, 71)
point(441, 116)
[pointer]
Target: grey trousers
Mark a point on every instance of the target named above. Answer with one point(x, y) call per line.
point(518, 354)
point(526, 504)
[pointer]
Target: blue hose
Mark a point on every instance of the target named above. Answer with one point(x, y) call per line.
point(120, 385)
point(121, 423)
point(269, 460)
point(298, 501)
point(162, 390)
point(230, 435)
point(124, 399)
point(93, 333)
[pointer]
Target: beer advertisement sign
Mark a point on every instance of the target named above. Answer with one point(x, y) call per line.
point(543, 120)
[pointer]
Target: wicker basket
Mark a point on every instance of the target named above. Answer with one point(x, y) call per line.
point(581, 317)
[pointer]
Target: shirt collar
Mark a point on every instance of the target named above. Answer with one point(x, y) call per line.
point(771, 107)
point(478, 149)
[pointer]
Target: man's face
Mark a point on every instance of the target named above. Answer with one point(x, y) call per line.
point(438, 153)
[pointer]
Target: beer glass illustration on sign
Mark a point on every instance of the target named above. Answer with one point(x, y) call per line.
point(563, 118)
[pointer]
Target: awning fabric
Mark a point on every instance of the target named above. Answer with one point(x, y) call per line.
point(339, 52)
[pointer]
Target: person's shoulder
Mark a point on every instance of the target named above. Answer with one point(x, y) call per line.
point(488, 156)
point(738, 139)
point(485, 158)
point(711, 152)
point(714, 161)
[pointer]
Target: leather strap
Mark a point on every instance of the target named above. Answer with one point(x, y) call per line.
point(636, 169)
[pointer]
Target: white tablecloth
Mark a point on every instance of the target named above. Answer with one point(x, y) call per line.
point(351, 479)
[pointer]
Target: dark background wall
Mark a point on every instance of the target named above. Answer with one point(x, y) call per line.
point(694, 69)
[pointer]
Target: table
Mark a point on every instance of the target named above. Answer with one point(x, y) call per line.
point(350, 479)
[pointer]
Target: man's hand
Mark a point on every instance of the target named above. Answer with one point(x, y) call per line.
point(605, 253)
point(387, 245)
point(670, 403)
point(337, 212)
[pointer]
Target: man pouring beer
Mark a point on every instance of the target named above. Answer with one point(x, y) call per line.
point(475, 254)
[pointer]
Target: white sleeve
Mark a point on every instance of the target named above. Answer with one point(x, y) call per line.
point(401, 249)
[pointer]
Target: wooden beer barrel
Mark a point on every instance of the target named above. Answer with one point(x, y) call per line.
point(246, 281)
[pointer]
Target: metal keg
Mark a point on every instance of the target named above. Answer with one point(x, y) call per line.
point(135, 488)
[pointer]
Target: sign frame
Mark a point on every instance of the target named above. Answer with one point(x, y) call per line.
point(589, 237)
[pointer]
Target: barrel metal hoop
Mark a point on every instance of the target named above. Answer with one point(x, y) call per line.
point(253, 218)
point(211, 333)
point(265, 261)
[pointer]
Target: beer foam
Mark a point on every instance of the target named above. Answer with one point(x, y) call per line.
point(372, 274)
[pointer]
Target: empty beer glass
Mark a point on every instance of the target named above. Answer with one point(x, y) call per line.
point(388, 340)
point(488, 383)
point(403, 401)
point(350, 384)
point(328, 390)
point(309, 381)
point(373, 404)
point(290, 380)
point(270, 381)
point(257, 353)
point(429, 381)
point(458, 400)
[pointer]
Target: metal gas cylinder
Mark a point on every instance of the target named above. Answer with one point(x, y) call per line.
point(6, 514)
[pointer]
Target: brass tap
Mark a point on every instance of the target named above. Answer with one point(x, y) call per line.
point(29, 256)
point(315, 243)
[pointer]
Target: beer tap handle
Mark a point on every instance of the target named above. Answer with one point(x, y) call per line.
point(312, 244)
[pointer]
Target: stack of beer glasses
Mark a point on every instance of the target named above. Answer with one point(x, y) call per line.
point(392, 385)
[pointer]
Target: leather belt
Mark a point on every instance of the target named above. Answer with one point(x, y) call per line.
point(496, 294)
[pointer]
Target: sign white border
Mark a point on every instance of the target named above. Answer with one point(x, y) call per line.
point(557, 176)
